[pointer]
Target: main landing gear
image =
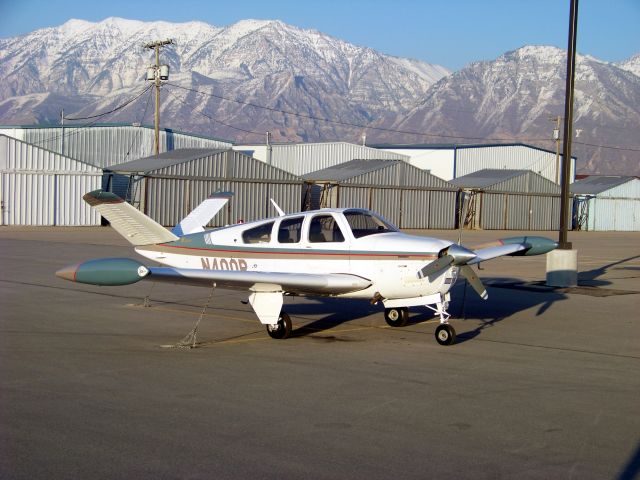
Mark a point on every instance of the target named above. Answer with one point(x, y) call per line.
point(396, 317)
point(282, 329)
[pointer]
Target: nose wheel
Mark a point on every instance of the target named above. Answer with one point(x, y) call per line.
point(282, 329)
point(445, 334)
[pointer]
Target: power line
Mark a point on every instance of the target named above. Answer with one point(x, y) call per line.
point(627, 149)
point(78, 128)
point(390, 130)
point(144, 114)
point(119, 107)
point(349, 124)
point(214, 119)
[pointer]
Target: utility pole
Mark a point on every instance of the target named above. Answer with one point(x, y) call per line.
point(62, 136)
point(269, 148)
point(562, 263)
point(556, 137)
point(157, 73)
point(568, 125)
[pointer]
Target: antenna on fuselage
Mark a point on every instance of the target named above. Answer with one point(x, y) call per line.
point(278, 209)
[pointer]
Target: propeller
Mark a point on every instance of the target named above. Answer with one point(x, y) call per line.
point(458, 256)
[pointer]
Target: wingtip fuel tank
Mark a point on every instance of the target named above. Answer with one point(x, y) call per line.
point(105, 271)
point(538, 245)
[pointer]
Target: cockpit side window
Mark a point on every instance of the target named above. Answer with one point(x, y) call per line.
point(364, 223)
point(289, 230)
point(323, 228)
point(259, 234)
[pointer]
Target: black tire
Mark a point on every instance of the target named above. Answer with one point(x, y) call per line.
point(445, 334)
point(282, 329)
point(396, 317)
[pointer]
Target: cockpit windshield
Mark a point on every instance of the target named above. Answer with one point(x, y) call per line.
point(363, 223)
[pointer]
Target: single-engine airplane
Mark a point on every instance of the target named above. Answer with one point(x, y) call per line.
point(341, 252)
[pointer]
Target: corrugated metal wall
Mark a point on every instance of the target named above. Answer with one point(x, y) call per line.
point(104, 146)
point(40, 187)
point(406, 208)
point(403, 194)
point(300, 159)
point(442, 209)
point(169, 200)
point(172, 192)
point(613, 214)
point(42, 199)
point(516, 157)
point(512, 211)
point(524, 202)
point(615, 209)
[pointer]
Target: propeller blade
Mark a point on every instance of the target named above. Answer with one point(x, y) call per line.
point(475, 282)
point(452, 255)
point(436, 266)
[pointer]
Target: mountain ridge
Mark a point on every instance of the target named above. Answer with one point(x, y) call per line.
point(218, 73)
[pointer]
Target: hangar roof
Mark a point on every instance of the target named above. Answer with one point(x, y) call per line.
point(598, 184)
point(353, 168)
point(167, 159)
point(486, 177)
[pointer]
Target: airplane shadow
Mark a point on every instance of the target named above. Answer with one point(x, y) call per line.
point(591, 277)
point(336, 311)
point(507, 297)
point(503, 303)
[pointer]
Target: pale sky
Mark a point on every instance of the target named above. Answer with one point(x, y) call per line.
point(445, 32)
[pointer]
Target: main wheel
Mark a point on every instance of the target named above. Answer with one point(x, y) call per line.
point(282, 329)
point(396, 317)
point(445, 334)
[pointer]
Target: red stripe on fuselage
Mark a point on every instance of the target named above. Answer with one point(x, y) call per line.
point(343, 253)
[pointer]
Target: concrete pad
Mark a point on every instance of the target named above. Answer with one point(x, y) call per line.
point(543, 383)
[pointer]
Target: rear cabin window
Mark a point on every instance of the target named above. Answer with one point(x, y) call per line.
point(323, 228)
point(259, 234)
point(364, 223)
point(289, 230)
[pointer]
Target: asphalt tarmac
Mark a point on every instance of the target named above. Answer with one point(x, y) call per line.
point(543, 383)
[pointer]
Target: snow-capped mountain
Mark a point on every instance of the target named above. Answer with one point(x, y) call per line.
point(517, 96)
point(220, 74)
point(266, 62)
point(632, 64)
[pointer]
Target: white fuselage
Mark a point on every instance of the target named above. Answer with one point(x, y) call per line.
point(389, 259)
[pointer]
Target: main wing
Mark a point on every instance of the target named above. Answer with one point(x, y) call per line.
point(125, 271)
point(293, 283)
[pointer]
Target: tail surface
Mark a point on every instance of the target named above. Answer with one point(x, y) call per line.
point(128, 221)
point(202, 214)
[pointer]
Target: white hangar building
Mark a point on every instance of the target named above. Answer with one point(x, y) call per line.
point(607, 203)
point(453, 161)
point(43, 188)
point(107, 144)
point(303, 158)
